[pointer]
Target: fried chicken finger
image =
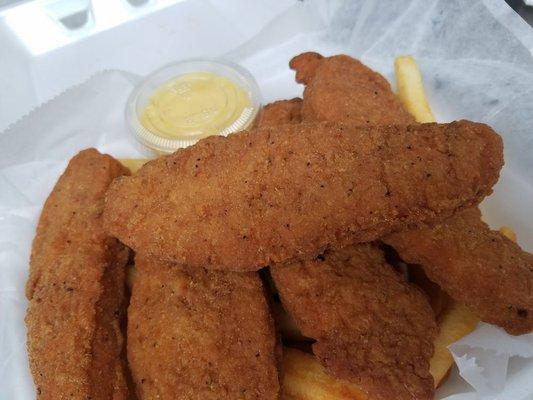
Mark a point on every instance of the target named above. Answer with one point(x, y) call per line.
point(76, 289)
point(371, 327)
point(279, 193)
point(475, 265)
point(198, 334)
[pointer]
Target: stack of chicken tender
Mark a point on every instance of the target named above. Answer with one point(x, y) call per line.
point(310, 197)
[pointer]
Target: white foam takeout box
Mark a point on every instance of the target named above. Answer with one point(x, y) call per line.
point(475, 57)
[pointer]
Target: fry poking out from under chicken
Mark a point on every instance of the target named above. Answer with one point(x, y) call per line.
point(290, 192)
point(195, 334)
point(370, 326)
point(76, 288)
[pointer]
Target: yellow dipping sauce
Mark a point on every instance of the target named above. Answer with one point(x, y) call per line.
point(195, 104)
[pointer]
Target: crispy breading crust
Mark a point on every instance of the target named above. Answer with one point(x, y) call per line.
point(477, 266)
point(281, 112)
point(371, 326)
point(198, 334)
point(76, 288)
point(342, 89)
point(305, 65)
point(290, 192)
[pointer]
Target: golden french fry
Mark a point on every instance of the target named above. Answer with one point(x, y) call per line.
point(304, 378)
point(508, 232)
point(455, 322)
point(411, 90)
point(133, 164)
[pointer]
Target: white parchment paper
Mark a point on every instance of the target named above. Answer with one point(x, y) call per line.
point(477, 64)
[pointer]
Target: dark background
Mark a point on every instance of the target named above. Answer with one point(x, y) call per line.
point(526, 12)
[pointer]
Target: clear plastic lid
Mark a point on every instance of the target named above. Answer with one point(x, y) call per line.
point(181, 103)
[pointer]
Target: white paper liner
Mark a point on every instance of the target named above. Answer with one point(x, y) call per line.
point(476, 61)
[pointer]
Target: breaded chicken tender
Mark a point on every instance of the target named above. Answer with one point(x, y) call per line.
point(371, 326)
point(477, 266)
point(342, 89)
point(281, 112)
point(293, 191)
point(76, 289)
point(198, 334)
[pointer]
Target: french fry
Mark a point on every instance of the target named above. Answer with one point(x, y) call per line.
point(304, 378)
point(455, 322)
point(508, 232)
point(411, 90)
point(133, 164)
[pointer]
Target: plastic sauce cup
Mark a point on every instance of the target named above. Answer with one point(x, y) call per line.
point(181, 103)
